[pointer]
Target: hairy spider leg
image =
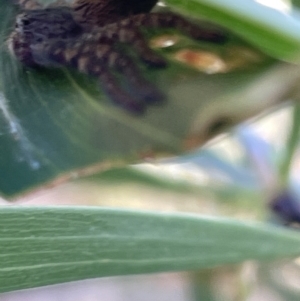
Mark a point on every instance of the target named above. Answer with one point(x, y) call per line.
point(101, 60)
point(171, 20)
point(128, 30)
point(131, 35)
point(117, 60)
point(113, 89)
point(127, 33)
point(138, 85)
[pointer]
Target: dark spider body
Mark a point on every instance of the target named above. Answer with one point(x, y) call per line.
point(88, 35)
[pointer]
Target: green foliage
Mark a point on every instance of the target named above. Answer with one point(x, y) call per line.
point(41, 246)
point(273, 31)
point(56, 121)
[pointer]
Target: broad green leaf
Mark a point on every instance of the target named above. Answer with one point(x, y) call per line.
point(41, 246)
point(273, 31)
point(56, 121)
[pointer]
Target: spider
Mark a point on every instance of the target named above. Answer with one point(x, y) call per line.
point(93, 36)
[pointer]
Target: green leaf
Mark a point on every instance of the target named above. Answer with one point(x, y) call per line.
point(273, 31)
point(292, 146)
point(57, 121)
point(41, 246)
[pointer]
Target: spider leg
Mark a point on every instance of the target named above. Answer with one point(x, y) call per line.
point(116, 59)
point(138, 84)
point(128, 31)
point(100, 60)
point(140, 89)
point(103, 51)
point(142, 49)
point(113, 89)
point(171, 20)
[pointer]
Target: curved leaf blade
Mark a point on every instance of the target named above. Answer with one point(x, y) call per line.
point(274, 32)
point(56, 121)
point(42, 246)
